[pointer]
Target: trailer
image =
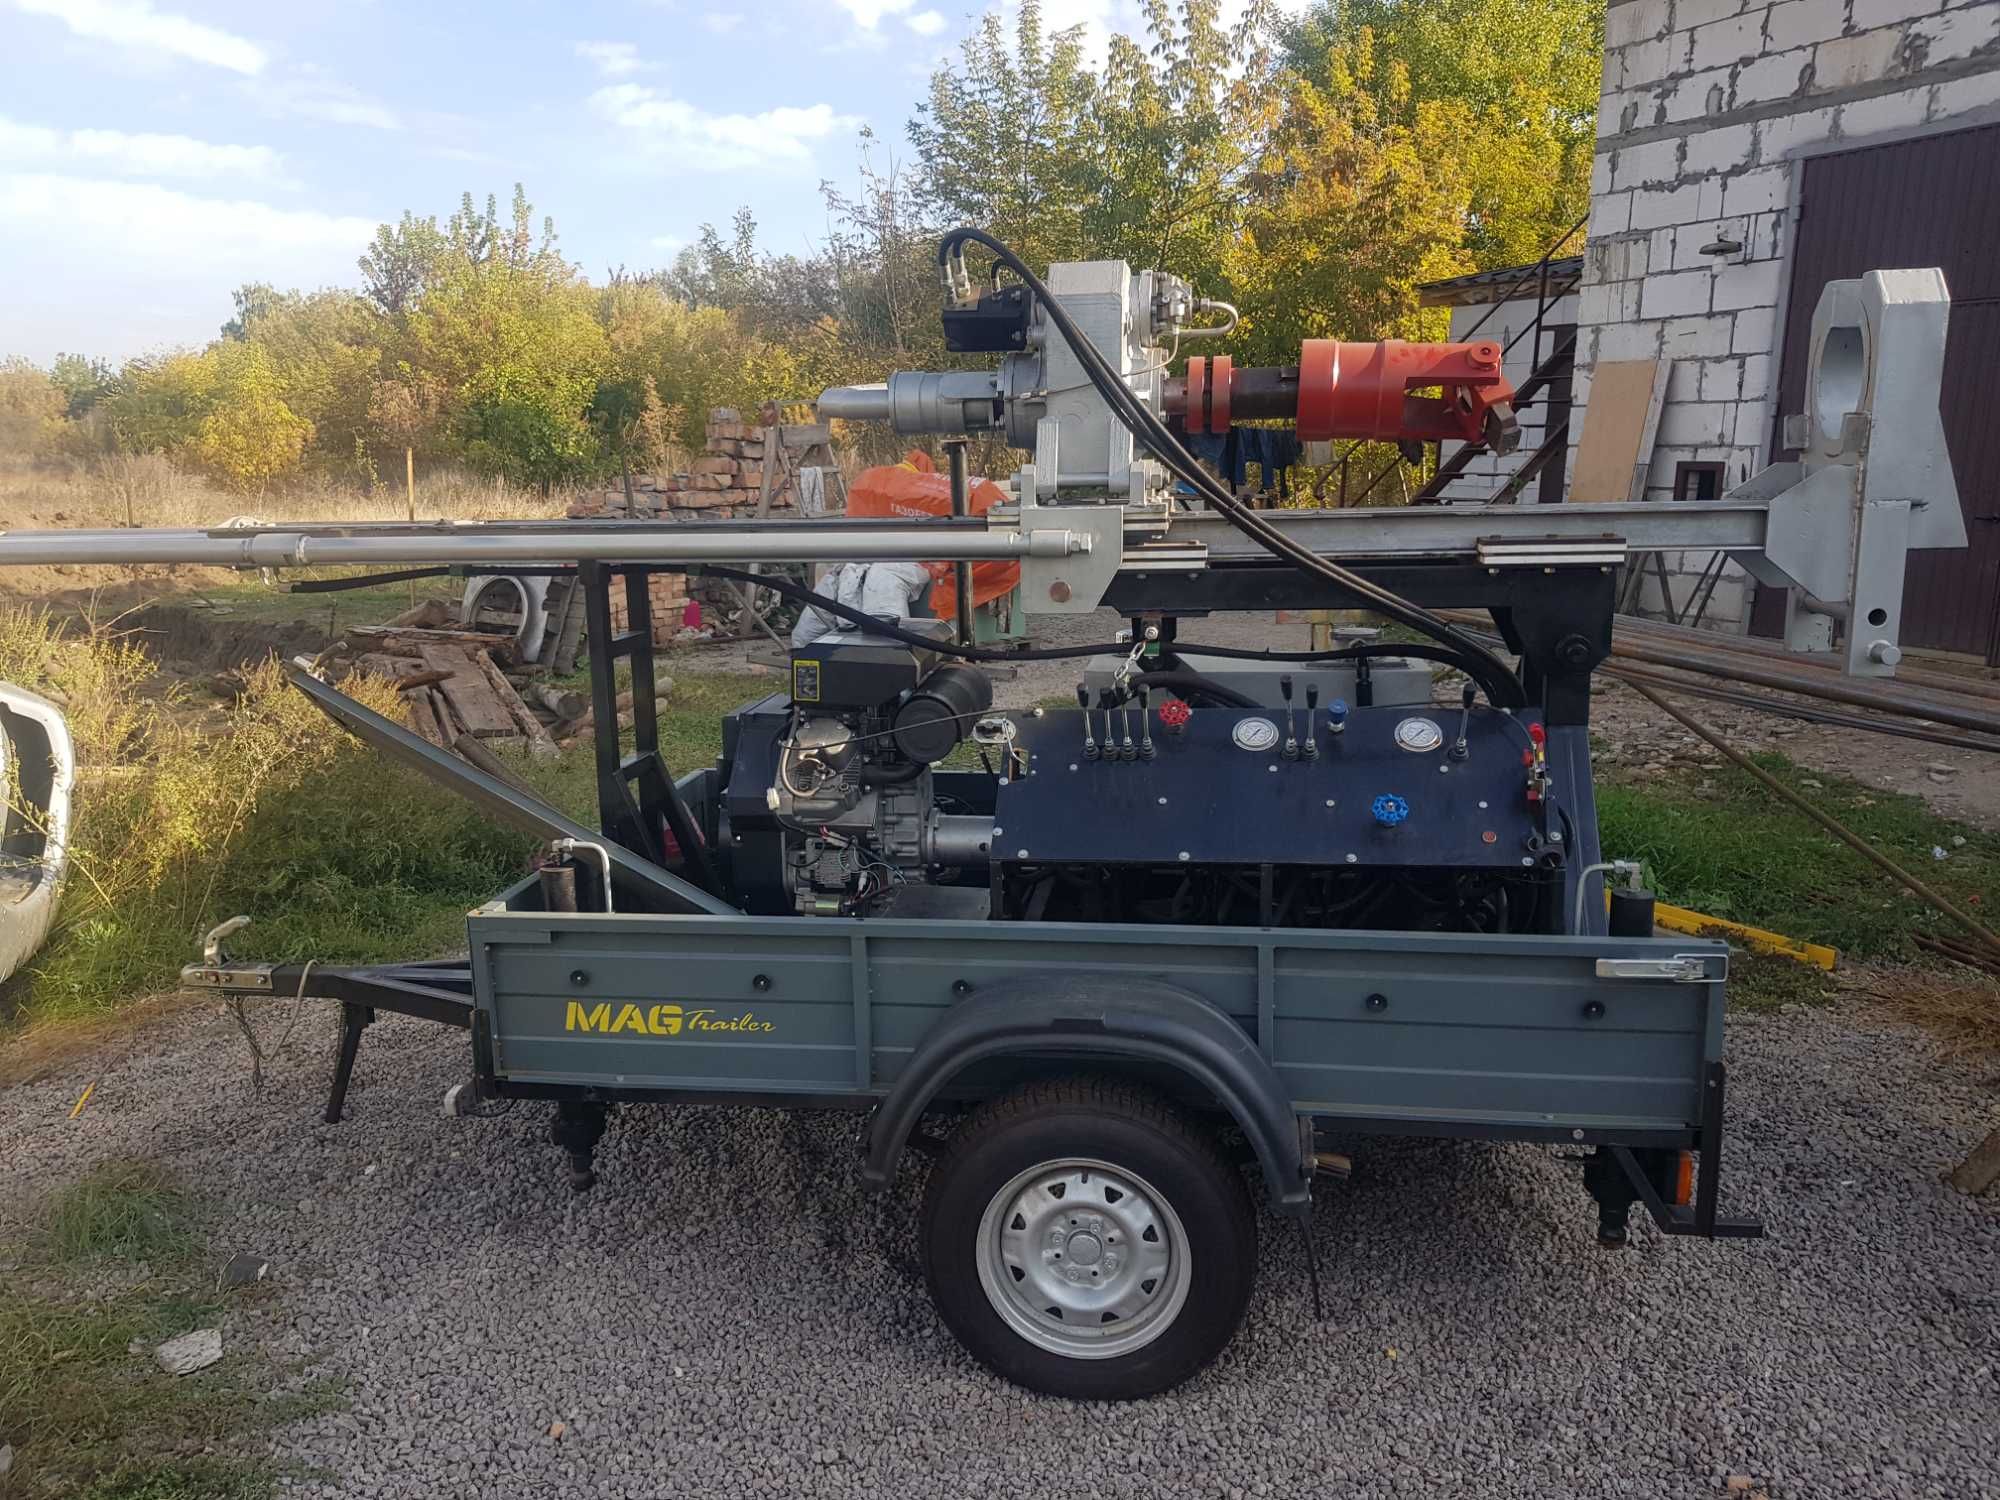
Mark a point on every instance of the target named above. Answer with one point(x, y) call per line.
point(1121, 970)
point(1099, 1080)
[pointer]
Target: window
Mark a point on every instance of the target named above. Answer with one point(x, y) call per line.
point(1697, 481)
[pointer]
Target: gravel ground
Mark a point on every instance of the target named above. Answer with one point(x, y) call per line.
point(726, 1315)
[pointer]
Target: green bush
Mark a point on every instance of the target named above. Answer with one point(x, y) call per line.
point(337, 854)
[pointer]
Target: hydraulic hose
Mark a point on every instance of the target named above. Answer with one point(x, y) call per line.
point(1501, 685)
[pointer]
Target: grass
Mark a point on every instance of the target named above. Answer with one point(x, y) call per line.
point(690, 737)
point(87, 1415)
point(1718, 842)
point(123, 1210)
point(148, 490)
point(278, 814)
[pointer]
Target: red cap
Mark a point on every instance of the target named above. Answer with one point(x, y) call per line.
point(1538, 734)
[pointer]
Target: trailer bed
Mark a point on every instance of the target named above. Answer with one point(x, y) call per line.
point(1445, 1033)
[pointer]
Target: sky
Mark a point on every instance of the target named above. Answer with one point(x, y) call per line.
point(156, 154)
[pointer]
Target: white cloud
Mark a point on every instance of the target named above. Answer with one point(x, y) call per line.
point(101, 220)
point(139, 155)
point(685, 134)
point(134, 23)
point(925, 22)
point(312, 95)
point(868, 14)
point(612, 59)
point(666, 242)
point(722, 22)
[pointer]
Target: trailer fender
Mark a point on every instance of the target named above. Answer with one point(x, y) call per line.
point(1144, 1019)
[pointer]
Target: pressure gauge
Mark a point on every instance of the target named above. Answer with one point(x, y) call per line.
point(1419, 735)
point(1257, 735)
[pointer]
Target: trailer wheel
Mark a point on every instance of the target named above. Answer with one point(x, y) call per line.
point(1085, 1238)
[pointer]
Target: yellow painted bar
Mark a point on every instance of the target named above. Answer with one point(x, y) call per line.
point(1700, 924)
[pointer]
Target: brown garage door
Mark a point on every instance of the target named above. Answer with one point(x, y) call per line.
point(1928, 202)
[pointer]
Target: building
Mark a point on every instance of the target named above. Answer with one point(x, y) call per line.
point(1748, 154)
point(1749, 151)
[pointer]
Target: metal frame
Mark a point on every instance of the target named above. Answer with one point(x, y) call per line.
point(637, 802)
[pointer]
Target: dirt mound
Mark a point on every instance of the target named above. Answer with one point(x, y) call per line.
point(192, 640)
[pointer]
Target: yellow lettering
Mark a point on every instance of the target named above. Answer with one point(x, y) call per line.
point(666, 1019)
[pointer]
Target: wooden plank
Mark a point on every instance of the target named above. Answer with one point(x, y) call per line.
point(539, 744)
point(1619, 426)
point(411, 640)
point(429, 615)
point(424, 719)
point(465, 688)
point(409, 682)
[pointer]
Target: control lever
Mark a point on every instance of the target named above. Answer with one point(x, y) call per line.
point(1128, 750)
point(1146, 751)
point(1083, 702)
point(1291, 721)
point(1460, 749)
point(1311, 746)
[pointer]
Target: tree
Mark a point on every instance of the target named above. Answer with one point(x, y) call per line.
point(518, 353)
point(1510, 90)
point(690, 359)
point(400, 261)
point(325, 351)
point(247, 436)
point(1019, 139)
point(32, 409)
point(83, 381)
point(158, 401)
point(1346, 216)
point(1009, 138)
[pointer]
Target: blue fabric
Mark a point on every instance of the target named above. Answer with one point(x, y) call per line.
point(1230, 454)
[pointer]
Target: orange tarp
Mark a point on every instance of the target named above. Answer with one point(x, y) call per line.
point(914, 490)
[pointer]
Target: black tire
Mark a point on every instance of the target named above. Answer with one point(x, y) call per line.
point(1134, 1131)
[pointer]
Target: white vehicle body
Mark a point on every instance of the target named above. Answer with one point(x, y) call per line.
point(38, 772)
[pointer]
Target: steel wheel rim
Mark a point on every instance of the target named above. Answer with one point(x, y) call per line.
point(1083, 1259)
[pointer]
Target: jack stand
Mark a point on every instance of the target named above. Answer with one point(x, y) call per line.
point(577, 1128)
point(354, 1019)
point(1615, 1196)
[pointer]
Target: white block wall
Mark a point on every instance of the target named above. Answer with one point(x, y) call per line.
point(1706, 108)
point(1486, 473)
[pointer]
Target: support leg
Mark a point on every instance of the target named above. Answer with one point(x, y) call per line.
point(354, 1020)
point(1615, 1196)
point(578, 1127)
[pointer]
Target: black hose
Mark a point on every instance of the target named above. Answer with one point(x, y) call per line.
point(339, 585)
point(875, 625)
point(1194, 686)
point(1501, 685)
point(872, 625)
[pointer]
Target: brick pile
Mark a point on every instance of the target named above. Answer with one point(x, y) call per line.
point(724, 482)
point(720, 484)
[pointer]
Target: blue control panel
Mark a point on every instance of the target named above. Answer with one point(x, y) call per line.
point(1383, 790)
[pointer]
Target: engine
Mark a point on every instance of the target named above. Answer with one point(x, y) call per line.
point(832, 805)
